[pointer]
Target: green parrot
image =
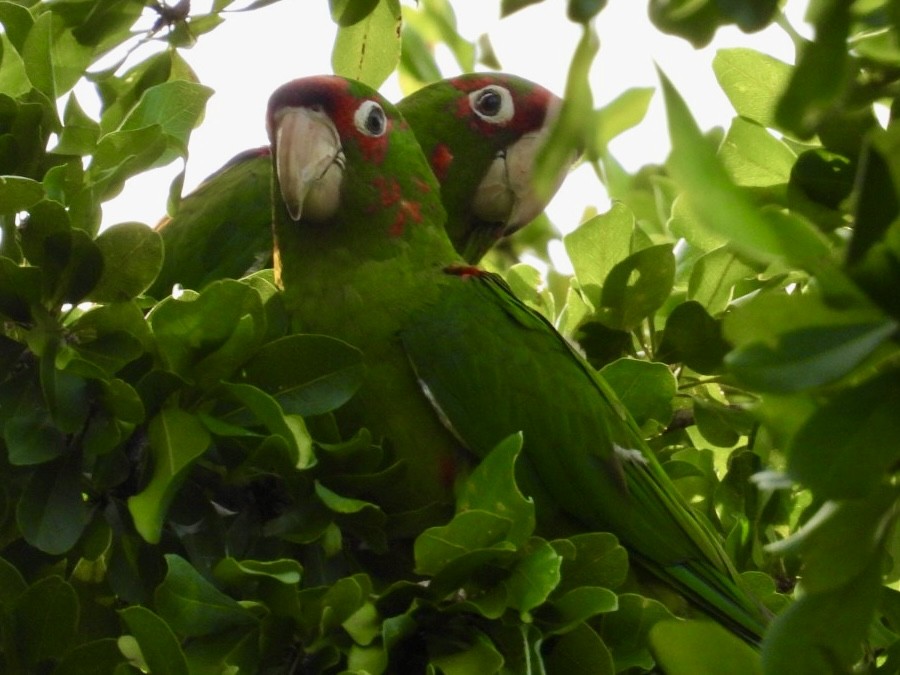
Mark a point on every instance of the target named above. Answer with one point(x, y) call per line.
point(481, 132)
point(455, 362)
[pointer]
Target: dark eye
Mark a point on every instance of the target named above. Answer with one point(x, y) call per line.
point(493, 104)
point(370, 119)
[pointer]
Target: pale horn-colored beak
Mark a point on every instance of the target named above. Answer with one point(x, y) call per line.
point(309, 161)
point(506, 194)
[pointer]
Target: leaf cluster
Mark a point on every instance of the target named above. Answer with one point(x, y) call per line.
point(175, 495)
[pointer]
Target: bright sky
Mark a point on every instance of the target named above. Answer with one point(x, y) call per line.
point(252, 53)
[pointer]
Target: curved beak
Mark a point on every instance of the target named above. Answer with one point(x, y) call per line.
point(309, 162)
point(506, 194)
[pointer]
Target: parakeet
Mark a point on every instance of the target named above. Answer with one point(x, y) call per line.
point(455, 362)
point(481, 133)
point(479, 120)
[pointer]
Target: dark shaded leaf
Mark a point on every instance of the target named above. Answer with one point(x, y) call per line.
point(192, 606)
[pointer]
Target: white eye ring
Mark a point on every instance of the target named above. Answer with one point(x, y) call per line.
point(370, 119)
point(493, 104)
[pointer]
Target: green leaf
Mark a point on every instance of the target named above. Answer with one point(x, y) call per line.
point(597, 245)
point(567, 136)
point(204, 338)
point(89, 658)
point(20, 288)
point(807, 357)
point(580, 652)
point(45, 618)
point(752, 81)
point(468, 531)
point(13, 77)
point(822, 73)
point(176, 107)
point(132, 256)
point(849, 445)
point(714, 276)
point(801, 643)
point(592, 559)
point(177, 439)
point(12, 584)
point(534, 577)
point(753, 157)
point(508, 7)
point(31, 437)
point(80, 133)
point(637, 286)
point(369, 50)
point(624, 112)
point(231, 570)
point(479, 656)
point(582, 11)
point(647, 389)
point(492, 487)
point(628, 629)
point(159, 648)
point(52, 513)
point(691, 336)
point(700, 648)
point(760, 234)
point(349, 12)
point(18, 193)
point(324, 373)
point(840, 540)
point(192, 606)
point(290, 428)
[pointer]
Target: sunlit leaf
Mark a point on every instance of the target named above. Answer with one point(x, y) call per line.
point(701, 647)
point(369, 50)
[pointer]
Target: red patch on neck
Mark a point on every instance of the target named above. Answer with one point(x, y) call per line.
point(465, 271)
point(441, 159)
point(391, 196)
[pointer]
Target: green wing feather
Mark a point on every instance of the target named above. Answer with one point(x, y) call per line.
point(222, 229)
point(492, 367)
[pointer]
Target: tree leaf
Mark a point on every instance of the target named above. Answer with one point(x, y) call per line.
point(711, 193)
point(646, 389)
point(52, 513)
point(88, 658)
point(158, 645)
point(800, 642)
point(581, 652)
point(369, 50)
point(597, 245)
point(752, 81)
point(691, 336)
point(755, 158)
point(177, 439)
point(848, 445)
point(807, 357)
point(324, 372)
point(700, 648)
point(45, 618)
point(492, 487)
point(132, 256)
point(637, 286)
point(192, 606)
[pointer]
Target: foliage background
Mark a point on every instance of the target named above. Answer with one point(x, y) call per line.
point(175, 500)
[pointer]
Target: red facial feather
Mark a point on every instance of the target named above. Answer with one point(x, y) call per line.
point(334, 96)
point(440, 160)
point(530, 105)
